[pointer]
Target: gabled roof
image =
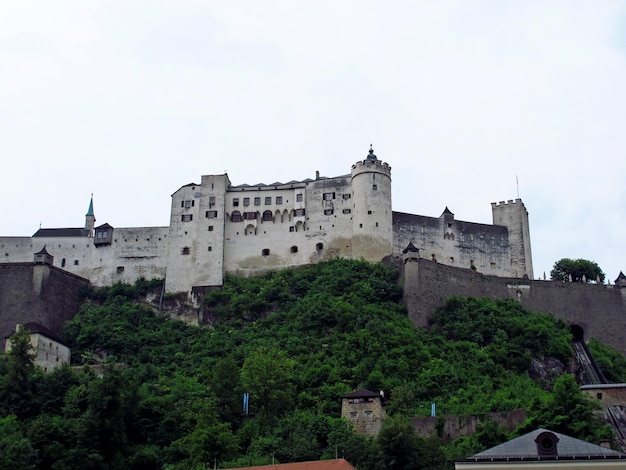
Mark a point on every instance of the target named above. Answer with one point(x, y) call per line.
point(363, 393)
point(61, 232)
point(43, 251)
point(410, 248)
point(338, 464)
point(446, 211)
point(38, 328)
point(525, 448)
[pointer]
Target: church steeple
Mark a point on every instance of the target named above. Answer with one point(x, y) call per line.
point(90, 219)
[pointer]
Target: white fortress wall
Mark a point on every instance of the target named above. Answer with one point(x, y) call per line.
point(217, 228)
point(134, 253)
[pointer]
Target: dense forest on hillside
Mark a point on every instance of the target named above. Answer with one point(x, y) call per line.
point(156, 393)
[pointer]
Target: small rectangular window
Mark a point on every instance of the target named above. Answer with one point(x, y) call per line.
point(211, 214)
point(354, 414)
point(299, 197)
point(120, 269)
point(347, 196)
point(292, 229)
point(236, 202)
point(210, 248)
point(189, 203)
point(186, 250)
point(210, 228)
point(346, 211)
point(374, 187)
point(249, 215)
point(298, 213)
point(268, 201)
point(186, 217)
point(279, 200)
point(257, 201)
point(328, 211)
point(329, 196)
point(75, 262)
point(369, 212)
point(246, 201)
point(211, 201)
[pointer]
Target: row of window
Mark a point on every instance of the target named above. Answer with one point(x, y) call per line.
point(355, 414)
point(279, 199)
point(267, 216)
point(257, 201)
point(264, 252)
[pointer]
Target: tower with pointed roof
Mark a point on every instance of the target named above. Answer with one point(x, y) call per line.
point(90, 219)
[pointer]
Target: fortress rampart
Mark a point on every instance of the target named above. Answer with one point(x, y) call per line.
point(40, 293)
point(600, 310)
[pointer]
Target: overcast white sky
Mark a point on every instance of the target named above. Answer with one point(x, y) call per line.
point(129, 100)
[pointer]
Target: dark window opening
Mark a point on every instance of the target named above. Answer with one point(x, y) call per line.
point(319, 246)
point(293, 249)
point(186, 250)
point(265, 252)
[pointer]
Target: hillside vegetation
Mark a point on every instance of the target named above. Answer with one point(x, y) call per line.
point(169, 395)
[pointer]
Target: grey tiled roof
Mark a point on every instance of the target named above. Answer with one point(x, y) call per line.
point(525, 448)
point(61, 232)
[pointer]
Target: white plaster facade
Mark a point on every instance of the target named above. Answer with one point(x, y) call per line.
point(217, 228)
point(50, 353)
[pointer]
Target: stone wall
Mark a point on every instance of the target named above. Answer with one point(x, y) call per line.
point(600, 310)
point(606, 394)
point(37, 293)
point(449, 428)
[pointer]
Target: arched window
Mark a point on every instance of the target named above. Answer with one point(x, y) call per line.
point(265, 252)
point(236, 216)
point(294, 249)
point(267, 216)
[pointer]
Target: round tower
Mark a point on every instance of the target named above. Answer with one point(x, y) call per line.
point(372, 234)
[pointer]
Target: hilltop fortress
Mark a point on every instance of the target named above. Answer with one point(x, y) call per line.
point(217, 228)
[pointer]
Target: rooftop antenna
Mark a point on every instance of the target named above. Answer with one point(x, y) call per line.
point(517, 184)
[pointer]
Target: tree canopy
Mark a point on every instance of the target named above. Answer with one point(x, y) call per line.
point(157, 393)
point(578, 269)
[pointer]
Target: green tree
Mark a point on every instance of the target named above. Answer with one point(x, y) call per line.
point(16, 450)
point(578, 269)
point(398, 444)
point(570, 412)
point(267, 374)
point(16, 385)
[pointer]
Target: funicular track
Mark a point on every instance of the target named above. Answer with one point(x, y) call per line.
point(592, 375)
